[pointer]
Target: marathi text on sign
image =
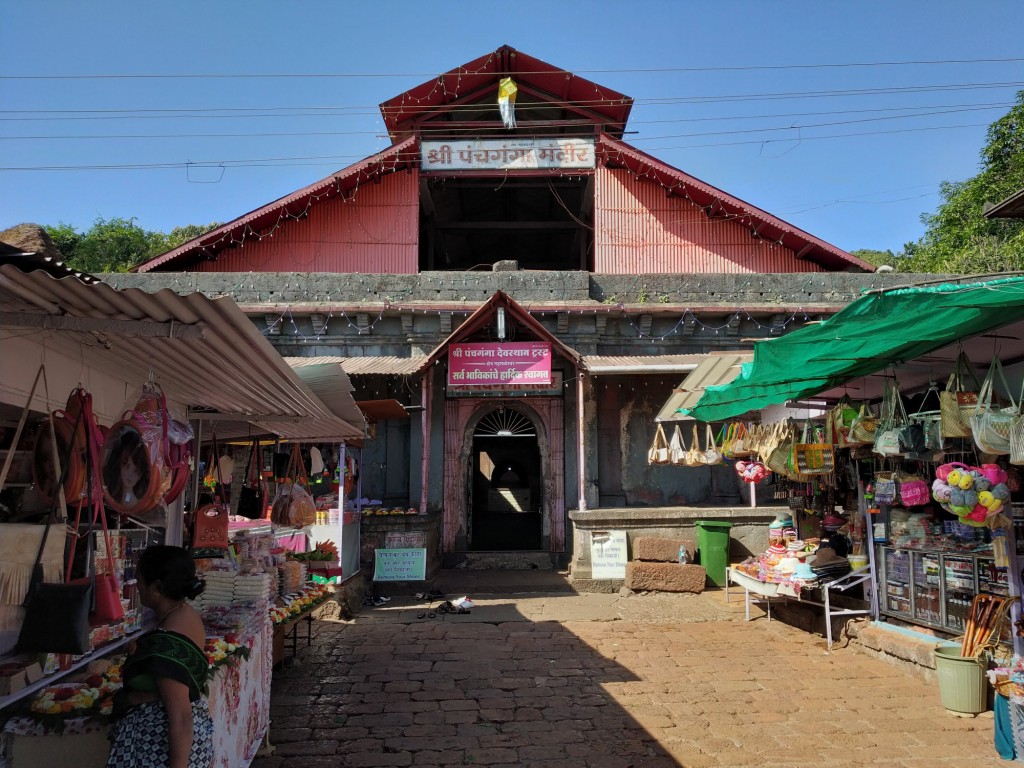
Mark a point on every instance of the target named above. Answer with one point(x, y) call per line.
point(499, 363)
point(507, 154)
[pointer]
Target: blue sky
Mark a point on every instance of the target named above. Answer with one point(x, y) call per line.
point(705, 101)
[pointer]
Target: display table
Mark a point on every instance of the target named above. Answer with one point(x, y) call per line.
point(758, 592)
point(240, 704)
point(287, 634)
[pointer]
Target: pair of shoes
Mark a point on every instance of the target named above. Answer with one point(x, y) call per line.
point(435, 594)
point(383, 598)
point(374, 601)
point(447, 607)
point(426, 615)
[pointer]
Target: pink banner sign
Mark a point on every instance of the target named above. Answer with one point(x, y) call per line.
point(525, 362)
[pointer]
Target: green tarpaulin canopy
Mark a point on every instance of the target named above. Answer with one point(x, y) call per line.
point(877, 330)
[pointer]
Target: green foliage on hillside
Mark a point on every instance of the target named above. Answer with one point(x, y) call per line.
point(117, 245)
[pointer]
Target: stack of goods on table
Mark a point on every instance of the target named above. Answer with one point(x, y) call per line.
point(293, 576)
point(787, 558)
point(224, 588)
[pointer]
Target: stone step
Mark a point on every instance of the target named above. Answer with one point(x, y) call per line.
point(660, 550)
point(665, 577)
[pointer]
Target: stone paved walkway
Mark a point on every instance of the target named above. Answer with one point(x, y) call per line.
point(512, 689)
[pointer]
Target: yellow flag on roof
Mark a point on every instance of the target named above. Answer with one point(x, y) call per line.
point(507, 101)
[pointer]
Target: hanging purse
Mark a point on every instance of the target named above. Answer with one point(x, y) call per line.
point(658, 452)
point(813, 458)
point(210, 527)
point(991, 425)
point(676, 449)
point(56, 615)
point(863, 427)
point(838, 422)
point(894, 418)
point(957, 402)
point(779, 459)
point(250, 497)
point(692, 455)
point(711, 454)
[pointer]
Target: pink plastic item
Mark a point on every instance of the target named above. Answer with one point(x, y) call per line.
point(943, 470)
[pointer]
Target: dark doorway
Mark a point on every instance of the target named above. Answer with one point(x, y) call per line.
point(506, 484)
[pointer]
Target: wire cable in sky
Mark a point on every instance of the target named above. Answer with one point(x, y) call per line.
point(629, 70)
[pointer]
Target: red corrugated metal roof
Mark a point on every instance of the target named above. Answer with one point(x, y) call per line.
point(397, 156)
point(614, 152)
point(483, 73)
point(484, 316)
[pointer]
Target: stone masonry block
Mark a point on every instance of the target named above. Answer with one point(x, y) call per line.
point(665, 577)
point(660, 550)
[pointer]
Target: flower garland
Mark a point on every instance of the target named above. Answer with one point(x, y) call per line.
point(226, 649)
point(299, 602)
point(55, 704)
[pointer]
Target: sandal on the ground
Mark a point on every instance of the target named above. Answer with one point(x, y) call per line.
point(447, 607)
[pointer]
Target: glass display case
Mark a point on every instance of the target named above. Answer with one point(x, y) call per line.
point(933, 588)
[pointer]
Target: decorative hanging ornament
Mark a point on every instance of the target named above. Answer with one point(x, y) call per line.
point(507, 101)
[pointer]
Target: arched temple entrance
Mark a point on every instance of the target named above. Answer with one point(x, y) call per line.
point(504, 475)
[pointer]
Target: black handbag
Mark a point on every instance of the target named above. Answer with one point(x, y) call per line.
point(250, 497)
point(56, 615)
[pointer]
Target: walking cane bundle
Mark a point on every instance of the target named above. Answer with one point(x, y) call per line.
point(986, 614)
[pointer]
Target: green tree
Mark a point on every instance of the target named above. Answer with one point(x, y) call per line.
point(958, 238)
point(878, 258)
point(65, 240)
point(117, 244)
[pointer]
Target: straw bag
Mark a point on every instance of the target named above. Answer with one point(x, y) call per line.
point(712, 454)
point(779, 458)
point(813, 458)
point(991, 426)
point(676, 449)
point(863, 427)
point(957, 402)
point(692, 456)
point(737, 441)
point(1017, 442)
point(770, 439)
point(839, 421)
point(658, 452)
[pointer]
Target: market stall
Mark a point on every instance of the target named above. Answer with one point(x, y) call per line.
point(933, 468)
point(137, 359)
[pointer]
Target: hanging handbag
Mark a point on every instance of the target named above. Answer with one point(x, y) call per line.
point(770, 439)
point(210, 527)
point(56, 615)
point(991, 425)
point(658, 452)
point(913, 491)
point(779, 459)
point(739, 442)
point(1017, 441)
point(812, 457)
point(863, 427)
point(838, 422)
point(676, 449)
point(711, 454)
point(894, 418)
point(250, 497)
point(931, 425)
point(692, 456)
point(958, 401)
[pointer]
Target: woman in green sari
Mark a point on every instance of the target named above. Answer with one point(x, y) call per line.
point(164, 719)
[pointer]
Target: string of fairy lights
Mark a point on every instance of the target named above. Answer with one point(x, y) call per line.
point(391, 161)
point(351, 320)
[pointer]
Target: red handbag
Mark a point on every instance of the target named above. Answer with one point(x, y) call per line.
point(210, 527)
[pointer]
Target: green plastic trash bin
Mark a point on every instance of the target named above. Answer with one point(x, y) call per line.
point(713, 546)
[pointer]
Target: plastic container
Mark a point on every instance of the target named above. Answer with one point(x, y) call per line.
point(963, 686)
point(713, 549)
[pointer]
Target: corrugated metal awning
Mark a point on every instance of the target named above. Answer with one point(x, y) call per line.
point(383, 365)
point(205, 353)
point(640, 364)
point(713, 369)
